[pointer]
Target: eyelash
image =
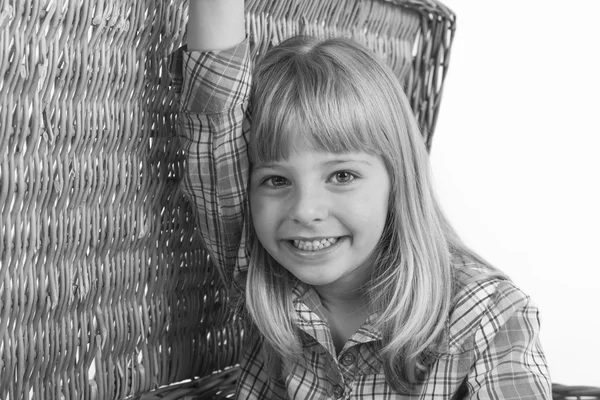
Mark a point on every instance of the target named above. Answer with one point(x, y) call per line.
point(352, 176)
point(268, 181)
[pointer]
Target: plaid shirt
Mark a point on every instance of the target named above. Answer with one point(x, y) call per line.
point(491, 349)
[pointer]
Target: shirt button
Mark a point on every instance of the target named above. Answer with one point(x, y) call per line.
point(348, 359)
point(338, 391)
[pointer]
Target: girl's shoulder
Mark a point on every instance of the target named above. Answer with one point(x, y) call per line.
point(484, 299)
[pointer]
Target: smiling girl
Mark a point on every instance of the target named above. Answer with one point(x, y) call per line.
point(321, 213)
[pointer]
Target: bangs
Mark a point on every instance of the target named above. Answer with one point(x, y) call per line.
point(314, 105)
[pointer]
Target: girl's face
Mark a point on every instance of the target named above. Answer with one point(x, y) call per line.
point(320, 214)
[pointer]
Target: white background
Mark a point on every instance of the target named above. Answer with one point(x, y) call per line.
point(516, 161)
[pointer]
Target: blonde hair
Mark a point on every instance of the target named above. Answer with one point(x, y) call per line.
point(345, 99)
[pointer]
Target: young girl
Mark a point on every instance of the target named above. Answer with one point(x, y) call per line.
point(322, 211)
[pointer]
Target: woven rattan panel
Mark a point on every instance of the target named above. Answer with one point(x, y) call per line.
point(105, 291)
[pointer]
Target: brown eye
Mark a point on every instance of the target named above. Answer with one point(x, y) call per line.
point(276, 181)
point(343, 177)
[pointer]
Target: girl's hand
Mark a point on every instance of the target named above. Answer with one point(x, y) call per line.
point(215, 24)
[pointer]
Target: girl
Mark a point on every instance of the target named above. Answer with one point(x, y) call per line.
point(323, 213)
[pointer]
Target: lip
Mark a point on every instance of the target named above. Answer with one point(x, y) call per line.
point(310, 239)
point(307, 254)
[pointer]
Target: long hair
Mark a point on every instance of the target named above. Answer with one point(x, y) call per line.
point(345, 99)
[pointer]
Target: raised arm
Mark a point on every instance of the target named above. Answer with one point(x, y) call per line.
point(215, 24)
point(214, 99)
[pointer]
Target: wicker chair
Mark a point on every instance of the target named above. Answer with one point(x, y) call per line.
point(564, 392)
point(105, 290)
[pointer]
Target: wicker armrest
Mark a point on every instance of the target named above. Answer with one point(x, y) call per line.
point(575, 392)
point(218, 386)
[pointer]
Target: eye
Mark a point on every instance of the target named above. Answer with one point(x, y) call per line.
point(343, 177)
point(275, 181)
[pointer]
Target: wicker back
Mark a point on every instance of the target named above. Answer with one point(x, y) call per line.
point(414, 37)
point(105, 290)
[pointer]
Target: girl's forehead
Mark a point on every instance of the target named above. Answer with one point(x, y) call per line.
point(307, 155)
point(277, 138)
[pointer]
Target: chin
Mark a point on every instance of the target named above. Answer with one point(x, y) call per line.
point(316, 282)
point(311, 279)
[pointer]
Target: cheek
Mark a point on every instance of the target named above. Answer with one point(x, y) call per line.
point(366, 216)
point(262, 215)
point(377, 215)
point(256, 208)
point(376, 202)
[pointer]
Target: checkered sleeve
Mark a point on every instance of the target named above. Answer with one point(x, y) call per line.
point(255, 381)
point(212, 129)
point(510, 363)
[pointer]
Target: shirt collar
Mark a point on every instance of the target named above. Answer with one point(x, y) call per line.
point(309, 313)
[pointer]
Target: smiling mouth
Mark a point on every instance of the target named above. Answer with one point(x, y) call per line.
point(314, 245)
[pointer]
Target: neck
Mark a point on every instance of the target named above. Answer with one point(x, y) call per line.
point(342, 301)
point(345, 313)
point(347, 293)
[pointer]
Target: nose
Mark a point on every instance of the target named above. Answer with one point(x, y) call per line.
point(308, 205)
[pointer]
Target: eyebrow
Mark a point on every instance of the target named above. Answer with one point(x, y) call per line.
point(332, 162)
point(342, 161)
point(263, 166)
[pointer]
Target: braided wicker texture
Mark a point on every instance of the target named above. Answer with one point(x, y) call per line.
point(414, 37)
point(105, 290)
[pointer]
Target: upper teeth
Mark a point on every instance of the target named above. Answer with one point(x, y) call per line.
point(313, 245)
